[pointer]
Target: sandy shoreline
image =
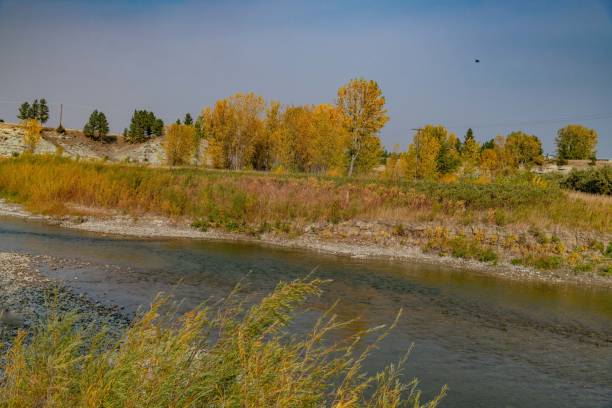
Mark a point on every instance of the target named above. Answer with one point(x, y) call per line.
point(159, 227)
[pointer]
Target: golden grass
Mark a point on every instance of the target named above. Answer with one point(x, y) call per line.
point(250, 201)
point(228, 357)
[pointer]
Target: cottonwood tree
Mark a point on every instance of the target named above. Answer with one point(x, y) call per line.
point(363, 106)
point(231, 128)
point(96, 127)
point(266, 146)
point(523, 149)
point(329, 141)
point(421, 160)
point(470, 152)
point(576, 142)
point(180, 143)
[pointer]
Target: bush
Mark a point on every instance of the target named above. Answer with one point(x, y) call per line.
point(594, 180)
point(545, 262)
point(232, 357)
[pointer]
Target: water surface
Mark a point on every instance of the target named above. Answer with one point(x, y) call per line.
point(495, 342)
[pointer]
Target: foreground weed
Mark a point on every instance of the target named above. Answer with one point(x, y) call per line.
point(232, 357)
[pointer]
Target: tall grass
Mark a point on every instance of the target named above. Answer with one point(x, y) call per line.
point(232, 357)
point(256, 201)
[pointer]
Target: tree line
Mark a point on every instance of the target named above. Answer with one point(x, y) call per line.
point(243, 131)
point(436, 152)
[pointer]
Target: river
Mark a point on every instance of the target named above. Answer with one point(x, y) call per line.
point(495, 342)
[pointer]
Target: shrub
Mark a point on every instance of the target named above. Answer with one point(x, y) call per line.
point(594, 180)
point(545, 262)
point(230, 357)
point(608, 251)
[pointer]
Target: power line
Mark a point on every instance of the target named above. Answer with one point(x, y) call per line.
point(595, 116)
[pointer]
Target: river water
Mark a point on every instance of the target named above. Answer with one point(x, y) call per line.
point(496, 343)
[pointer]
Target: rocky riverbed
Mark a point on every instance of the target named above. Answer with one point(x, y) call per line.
point(27, 297)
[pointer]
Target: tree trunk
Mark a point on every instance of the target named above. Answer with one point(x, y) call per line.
point(352, 165)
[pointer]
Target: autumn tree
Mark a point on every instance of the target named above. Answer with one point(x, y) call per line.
point(267, 146)
point(470, 152)
point(489, 161)
point(329, 143)
point(180, 143)
point(31, 134)
point(523, 149)
point(231, 127)
point(144, 125)
point(363, 106)
point(421, 160)
point(97, 126)
point(576, 142)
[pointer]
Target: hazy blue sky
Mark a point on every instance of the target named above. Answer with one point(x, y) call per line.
point(543, 64)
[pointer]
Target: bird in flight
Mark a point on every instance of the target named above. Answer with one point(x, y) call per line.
point(477, 61)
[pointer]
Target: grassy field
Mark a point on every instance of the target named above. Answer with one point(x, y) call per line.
point(225, 356)
point(249, 201)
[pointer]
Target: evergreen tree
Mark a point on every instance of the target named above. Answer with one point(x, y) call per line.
point(469, 135)
point(178, 122)
point(143, 125)
point(188, 119)
point(34, 108)
point(489, 144)
point(42, 114)
point(97, 126)
point(24, 111)
point(37, 110)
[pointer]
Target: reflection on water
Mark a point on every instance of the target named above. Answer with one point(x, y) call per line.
point(495, 342)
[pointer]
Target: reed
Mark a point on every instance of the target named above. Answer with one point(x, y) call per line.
point(228, 355)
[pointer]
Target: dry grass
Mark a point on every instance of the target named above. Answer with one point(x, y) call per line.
point(231, 357)
point(261, 201)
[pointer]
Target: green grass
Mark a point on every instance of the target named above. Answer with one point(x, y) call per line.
point(231, 356)
point(544, 262)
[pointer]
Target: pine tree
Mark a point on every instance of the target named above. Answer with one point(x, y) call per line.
point(188, 119)
point(34, 108)
point(143, 125)
point(43, 111)
point(24, 111)
point(97, 126)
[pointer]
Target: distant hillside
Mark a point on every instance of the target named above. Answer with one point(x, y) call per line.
point(74, 144)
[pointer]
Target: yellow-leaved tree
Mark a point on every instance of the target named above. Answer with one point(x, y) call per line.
point(470, 153)
point(363, 107)
point(31, 134)
point(231, 127)
point(180, 144)
point(329, 141)
point(523, 149)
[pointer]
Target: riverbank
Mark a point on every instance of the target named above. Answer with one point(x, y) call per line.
point(27, 297)
point(353, 239)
